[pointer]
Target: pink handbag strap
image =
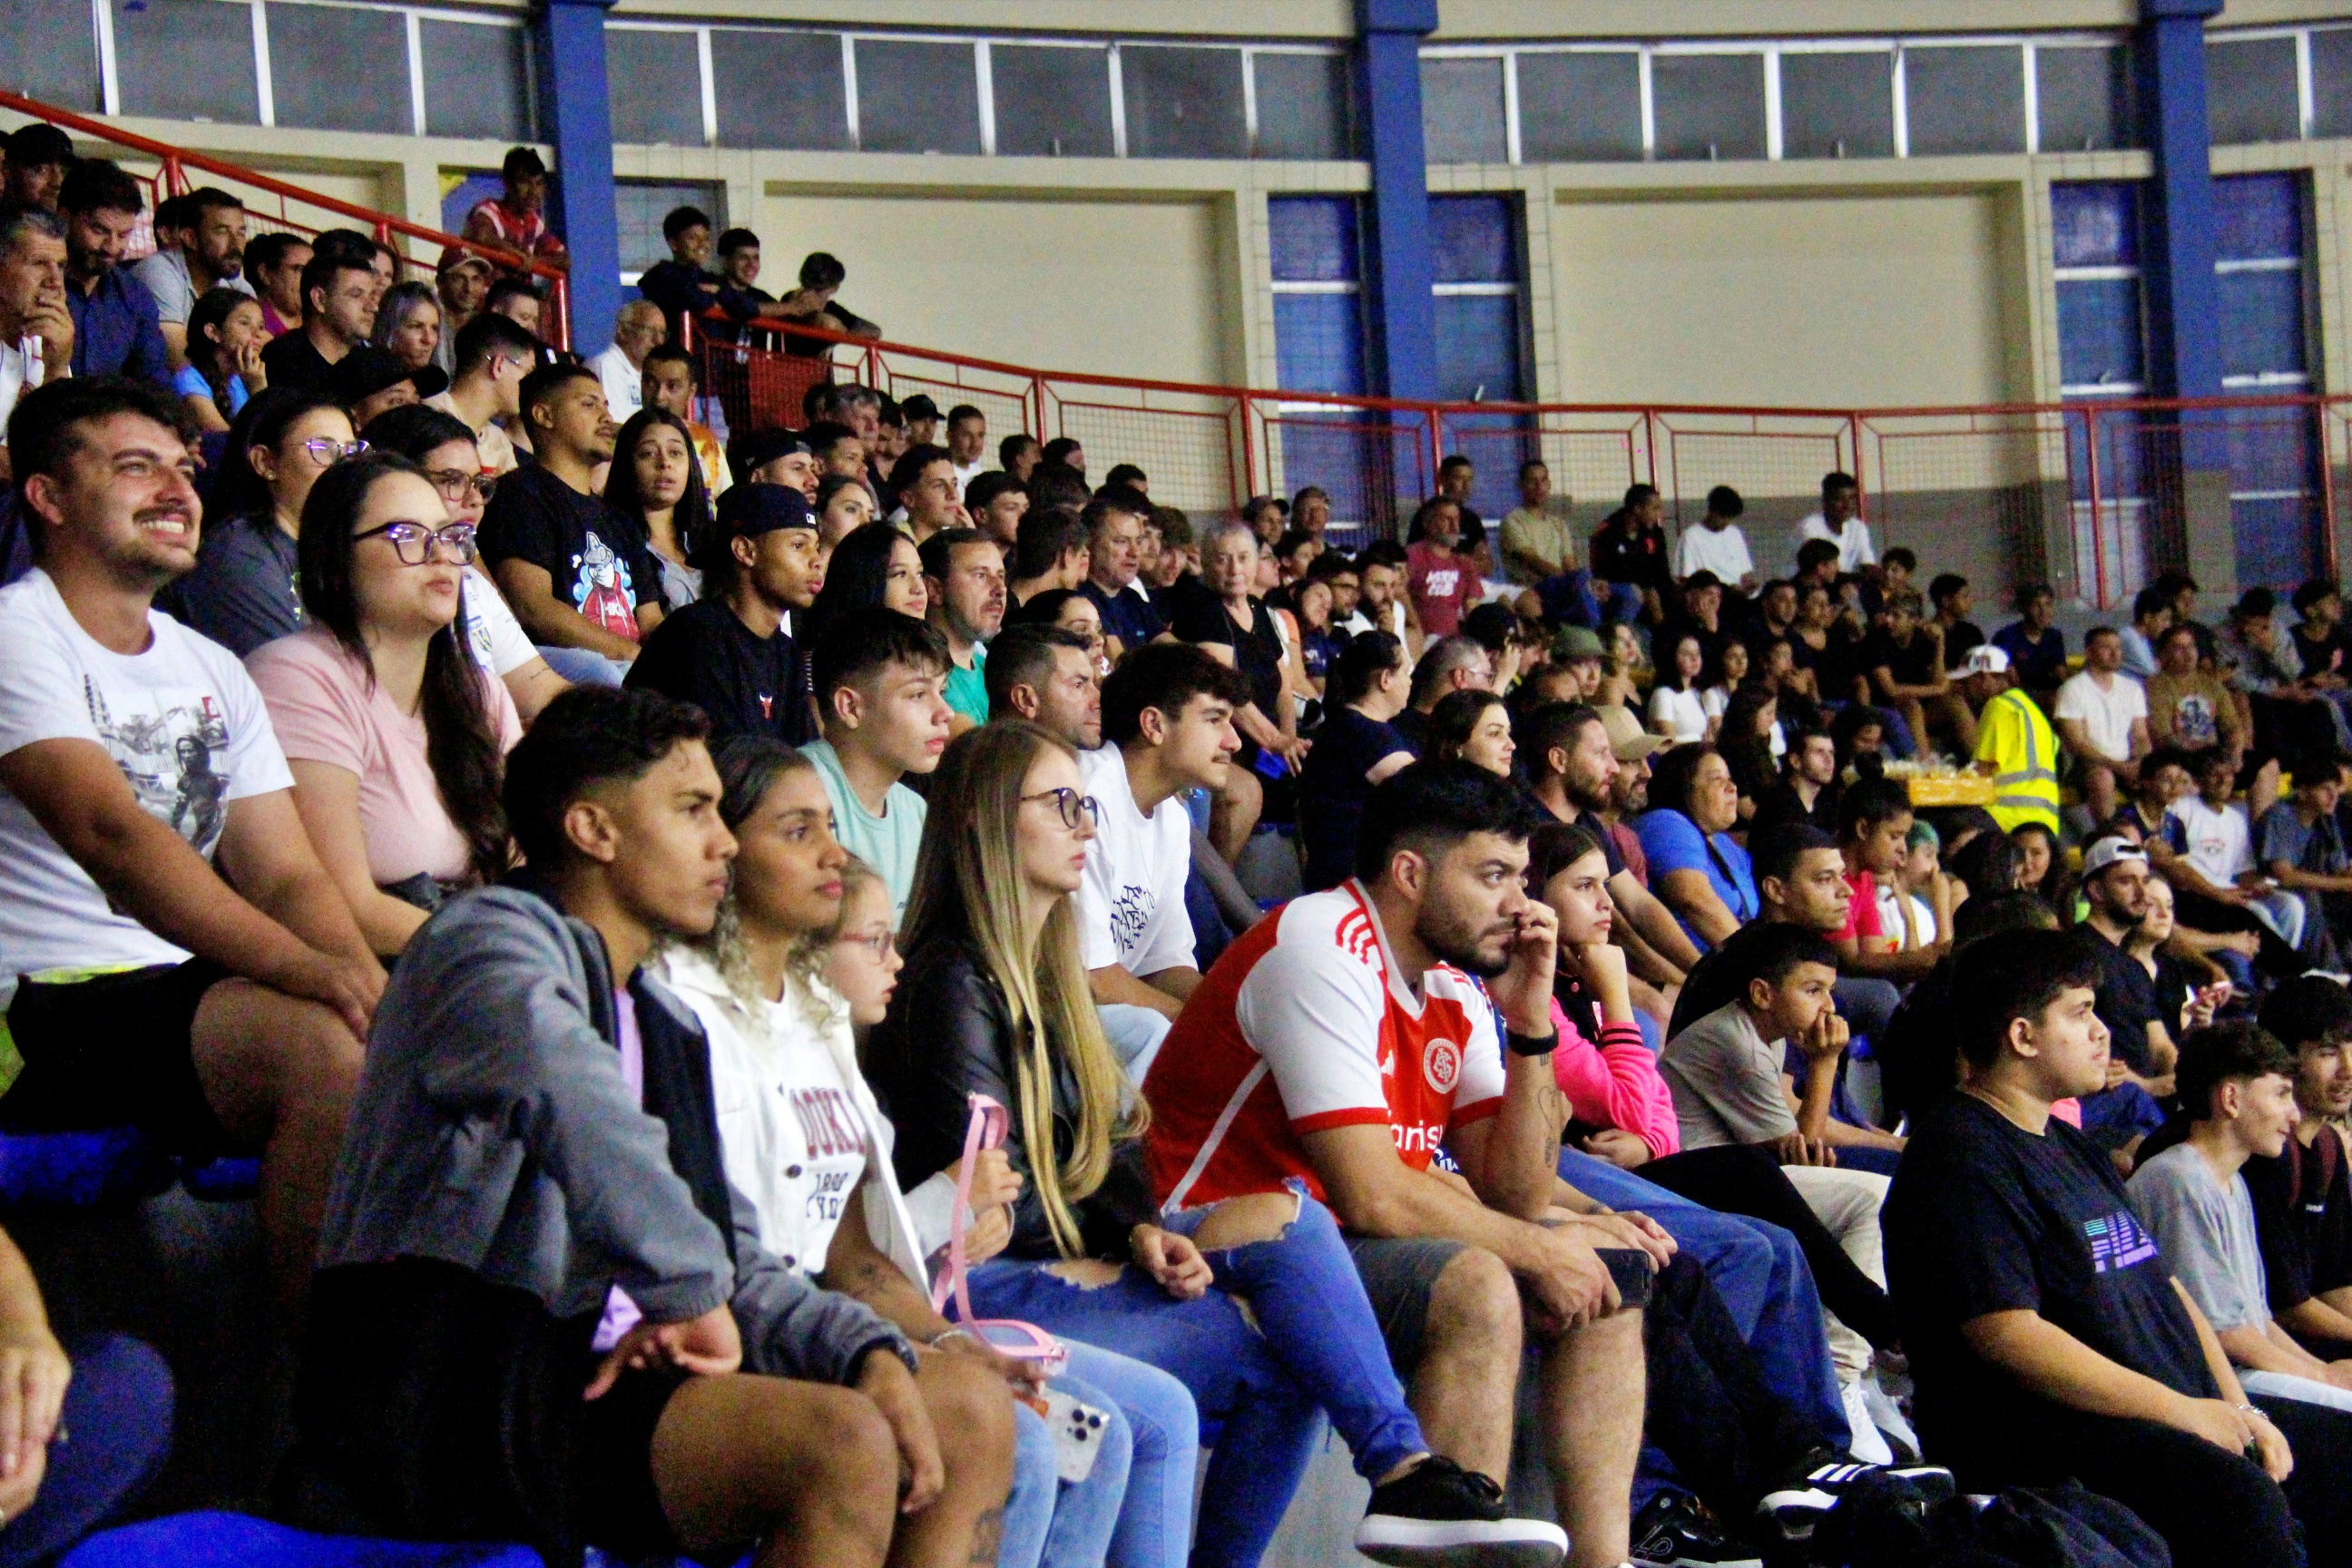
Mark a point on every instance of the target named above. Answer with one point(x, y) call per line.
point(986, 1130)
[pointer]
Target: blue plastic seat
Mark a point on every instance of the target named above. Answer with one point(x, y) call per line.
point(76, 1170)
point(240, 1541)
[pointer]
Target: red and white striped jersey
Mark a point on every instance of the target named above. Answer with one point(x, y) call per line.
point(1304, 1023)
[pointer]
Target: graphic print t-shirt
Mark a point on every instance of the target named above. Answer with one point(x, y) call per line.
point(1306, 1023)
point(597, 559)
point(1131, 904)
point(183, 722)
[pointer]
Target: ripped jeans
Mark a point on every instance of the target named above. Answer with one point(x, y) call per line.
point(1320, 1344)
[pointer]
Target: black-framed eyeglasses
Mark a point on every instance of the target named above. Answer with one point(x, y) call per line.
point(1075, 809)
point(325, 453)
point(415, 543)
point(453, 484)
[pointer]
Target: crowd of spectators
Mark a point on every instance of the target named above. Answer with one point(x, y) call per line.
point(669, 917)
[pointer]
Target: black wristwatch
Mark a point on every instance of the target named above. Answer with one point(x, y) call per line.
point(1531, 1044)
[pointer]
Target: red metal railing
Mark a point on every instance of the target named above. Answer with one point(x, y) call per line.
point(171, 178)
point(2092, 497)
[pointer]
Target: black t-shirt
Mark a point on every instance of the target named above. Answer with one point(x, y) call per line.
point(2127, 1001)
point(1413, 725)
point(747, 684)
point(1911, 664)
point(291, 360)
point(1986, 1217)
point(1782, 806)
point(1332, 791)
point(1257, 647)
point(1835, 664)
point(2320, 655)
point(1637, 555)
point(680, 290)
point(596, 557)
point(1958, 638)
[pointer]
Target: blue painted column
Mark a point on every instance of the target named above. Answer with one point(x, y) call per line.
point(1404, 319)
point(2184, 299)
point(577, 116)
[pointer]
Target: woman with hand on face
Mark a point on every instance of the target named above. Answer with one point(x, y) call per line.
point(804, 1141)
point(657, 480)
point(395, 735)
point(995, 1001)
point(223, 369)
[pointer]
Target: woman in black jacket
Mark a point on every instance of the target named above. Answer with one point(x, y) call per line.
point(994, 1001)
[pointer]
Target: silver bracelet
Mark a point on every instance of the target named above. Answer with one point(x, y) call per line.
point(951, 1333)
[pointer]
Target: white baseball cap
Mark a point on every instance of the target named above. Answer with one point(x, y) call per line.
point(2109, 851)
point(1986, 659)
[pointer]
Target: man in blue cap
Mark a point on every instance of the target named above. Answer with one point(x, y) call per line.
point(729, 653)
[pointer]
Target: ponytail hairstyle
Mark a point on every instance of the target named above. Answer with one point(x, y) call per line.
point(460, 743)
point(966, 879)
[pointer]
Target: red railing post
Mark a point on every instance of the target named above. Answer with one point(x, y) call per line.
point(1249, 452)
point(1861, 489)
point(2098, 524)
point(2326, 492)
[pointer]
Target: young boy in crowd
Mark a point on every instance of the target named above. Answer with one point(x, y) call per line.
point(1718, 544)
point(879, 678)
point(542, 1313)
point(1875, 821)
point(2045, 1329)
point(2303, 1199)
point(1905, 665)
point(728, 653)
point(2237, 1094)
point(2300, 842)
point(963, 579)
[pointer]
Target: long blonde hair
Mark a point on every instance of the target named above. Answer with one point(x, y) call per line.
point(966, 879)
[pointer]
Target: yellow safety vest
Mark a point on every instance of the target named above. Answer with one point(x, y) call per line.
point(2018, 741)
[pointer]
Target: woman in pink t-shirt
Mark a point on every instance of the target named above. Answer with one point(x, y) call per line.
point(396, 736)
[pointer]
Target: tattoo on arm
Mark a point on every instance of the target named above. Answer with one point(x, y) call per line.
point(987, 1536)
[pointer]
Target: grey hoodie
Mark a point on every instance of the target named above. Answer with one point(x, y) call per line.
point(493, 1130)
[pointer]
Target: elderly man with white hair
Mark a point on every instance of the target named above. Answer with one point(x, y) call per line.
point(637, 331)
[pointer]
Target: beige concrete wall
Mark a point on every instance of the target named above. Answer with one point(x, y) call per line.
point(1873, 299)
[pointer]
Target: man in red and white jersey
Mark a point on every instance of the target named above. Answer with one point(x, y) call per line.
point(1340, 1043)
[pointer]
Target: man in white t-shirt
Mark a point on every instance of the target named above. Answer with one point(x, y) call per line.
point(2220, 845)
point(967, 444)
point(1718, 544)
point(174, 956)
point(2102, 715)
point(1168, 714)
point(637, 331)
point(1840, 522)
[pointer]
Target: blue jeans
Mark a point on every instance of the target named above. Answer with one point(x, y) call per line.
point(1310, 1302)
point(117, 1411)
point(584, 666)
point(1053, 1523)
point(1758, 1270)
point(1575, 597)
point(1268, 1428)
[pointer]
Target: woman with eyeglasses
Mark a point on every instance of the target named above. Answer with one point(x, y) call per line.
point(995, 1001)
point(242, 593)
point(804, 1141)
point(440, 444)
point(657, 480)
point(396, 737)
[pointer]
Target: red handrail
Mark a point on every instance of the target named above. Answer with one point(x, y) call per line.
point(176, 160)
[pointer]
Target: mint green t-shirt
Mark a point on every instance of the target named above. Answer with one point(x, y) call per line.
point(967, 690)
point(888, 843)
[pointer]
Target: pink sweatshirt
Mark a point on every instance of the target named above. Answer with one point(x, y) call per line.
point(1615, 1083)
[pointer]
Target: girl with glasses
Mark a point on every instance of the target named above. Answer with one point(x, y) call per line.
point(395, 734)
point(803, 1139)
point(995, 1001)
point(242, 593)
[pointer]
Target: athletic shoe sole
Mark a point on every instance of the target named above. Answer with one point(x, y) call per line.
point(1461, 1543)
point(1794, 1511)
point(1641, 1561)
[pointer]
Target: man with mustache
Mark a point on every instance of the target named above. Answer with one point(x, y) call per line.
point(174, 956)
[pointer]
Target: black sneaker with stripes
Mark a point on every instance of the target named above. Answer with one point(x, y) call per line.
point(1794, 1506)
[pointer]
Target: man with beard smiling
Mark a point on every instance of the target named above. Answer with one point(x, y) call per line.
point(1338, 1044)
point(177, 959)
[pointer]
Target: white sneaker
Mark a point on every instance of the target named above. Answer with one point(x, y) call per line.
point(1868, 1444)
point(1886, 1415)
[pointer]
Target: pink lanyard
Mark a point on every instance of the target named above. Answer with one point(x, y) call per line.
point(987, 1131)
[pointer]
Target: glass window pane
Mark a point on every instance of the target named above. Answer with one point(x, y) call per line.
point(1477, 347)
point(1314, 238)
point(1709, 106)
point(656, 87)
point(2261, 322)
point(1305, 107)
point(2084, 98)
point(52, 52)
point(477, 81)
point(2096, 223)
point(187, 59)
point(916, 98)
point(338, 68)
point(2099, 332)
point(641, 204)
point(2331, 81)
point(1473, 239)
point(1461, 109)
point(1837, 105)
point(1051, 103)
point(2257, 217)
point(1319, 343)
point(1968, 99)
point(2250, 94)
point(1580, 107)
point(1182, 103)
point(746, 66)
